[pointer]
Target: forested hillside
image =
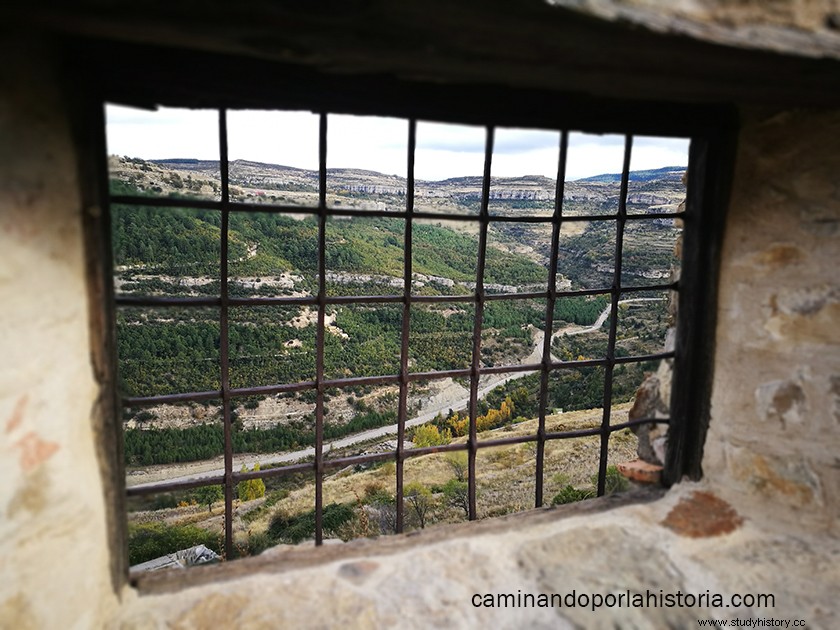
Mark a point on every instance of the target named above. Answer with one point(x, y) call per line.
point(175, 252)
point(186, 242)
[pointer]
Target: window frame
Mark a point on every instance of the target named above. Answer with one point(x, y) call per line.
point(711, 129)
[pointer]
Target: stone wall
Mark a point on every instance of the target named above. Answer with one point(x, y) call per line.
point(775, 432)
point(757, 522)
point(797, 27)
point(771, 451)
point(689, 541)
point(54, 556)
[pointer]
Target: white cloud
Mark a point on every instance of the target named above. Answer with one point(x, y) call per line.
point(367, 142)
point(164, 133)
point(288, 138)
point(374, 143)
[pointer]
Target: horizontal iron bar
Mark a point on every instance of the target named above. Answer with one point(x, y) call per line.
point(165, 399)
point(167, 301)
point(364, 458)
point(469, 298)
point(668, 286)
point(277, 471)
point(171, 486)
point(645, 357)
point(266, 390)
point(635, 423)
point(517, 439)
point(273, 301)
point(428, 450)
point(360, 380)
point(240, 206)
point(578, 218)
point(511, 369)
point(563, 435)
point(516, 296)
point(562, 365)
point(431, 376)
point(365, 299)
point(513, 218)
point(272, 208)
point(161, 300)
point(654, 215)
point(166, 202)
point(266, 473)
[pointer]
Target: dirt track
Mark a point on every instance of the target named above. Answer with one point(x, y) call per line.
point(447, 395)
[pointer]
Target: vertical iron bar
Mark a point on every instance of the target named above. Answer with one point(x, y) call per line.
point(615, 295)
point(407, 274)
point(556, 225)
point(223, 334)
point(319, 342)
point(99, 262)
point(710, 167)
point(478, 323)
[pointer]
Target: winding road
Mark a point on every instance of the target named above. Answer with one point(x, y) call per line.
point(453, 397)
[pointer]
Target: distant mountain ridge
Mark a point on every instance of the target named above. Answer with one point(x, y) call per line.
point(658, 190)
point(665, 172)
point(646, 175)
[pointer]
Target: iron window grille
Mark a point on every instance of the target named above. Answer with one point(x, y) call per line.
point(691, 355)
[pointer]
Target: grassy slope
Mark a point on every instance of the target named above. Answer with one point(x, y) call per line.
point(505, 474)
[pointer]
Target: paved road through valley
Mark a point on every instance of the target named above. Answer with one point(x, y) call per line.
point(211, 468)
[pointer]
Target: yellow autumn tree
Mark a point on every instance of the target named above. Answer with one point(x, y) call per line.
point(429, 435)
point(250, 489)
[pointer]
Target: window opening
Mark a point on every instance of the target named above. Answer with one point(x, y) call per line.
point(474, 292)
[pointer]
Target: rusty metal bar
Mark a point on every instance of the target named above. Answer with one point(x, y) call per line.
point(560, 365)
point(639, 421)
point(361, 380)
point(363, 299)
point(170, 399)
point(166, 202)
point(224, 342)
point(616, 294)
point(273, 301)
point(563, 435)
point(267, 473)
point(477, 322)
point(171, 486)
point(190, 302)
point(321, 329)
point(641, 359)
point(266, 390)
point(532, 295)
point(443, 299)
point(278, 471)
point(402, 411)
point(424, 376)
point(216, 480)
point(365, 458)
point(510, 369)
point(161, 301)
point(508, 441)
point(240, 206)
point(428, 450)
point(549, 316)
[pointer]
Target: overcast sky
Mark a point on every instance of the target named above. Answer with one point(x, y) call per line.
point(378, 144)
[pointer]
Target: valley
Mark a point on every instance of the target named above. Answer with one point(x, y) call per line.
point(164, 350)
